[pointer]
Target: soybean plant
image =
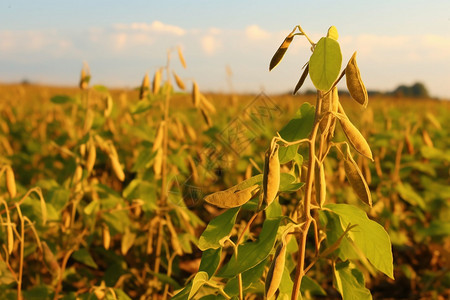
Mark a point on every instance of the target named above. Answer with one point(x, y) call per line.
point(342, 238)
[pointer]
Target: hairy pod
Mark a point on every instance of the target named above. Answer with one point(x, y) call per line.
point(427, 139)
point(11, 182)
point(109, 106)
point(206, 117)
point(207, 104)
point(321, 185)
point(157, 165)
point(190, 132)
point(88, 120)
point(106, 236)
point(276, 270)
point(145, 86)
point(159, 137)
point(356, 180)
point(195, 94)
point(355, 137)
point(330, 104)
point(117, 168)
point(78, 175)
point(232, 197)
point(157, 81)
point(9, 233)
point(181, 57)
point(354, 83)
point(174, 237)
point(50, 259)
point(92, 154)
point(271, 177)
point(409, 144)
point(179, 82)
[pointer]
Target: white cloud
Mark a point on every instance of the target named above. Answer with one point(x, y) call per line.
point(155, 27)
point(385, 60)
point(255, 32)
point(210, 44)
point(400, 48)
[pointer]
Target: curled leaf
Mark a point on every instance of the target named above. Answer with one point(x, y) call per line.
point(302, 79)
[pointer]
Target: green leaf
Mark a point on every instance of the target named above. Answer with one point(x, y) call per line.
point(286, 284)
point(184, 293)
point(83, 256)
point(274, 210)
point(100, 88)
point(334, 232)
point(408, 194)
point(286, 180)
point(333, 33)
point(210, 261)
point(218, 230)
point(436, 228)
point(61, 99)
point(435, 153)
point(249, 277)
point(166, 279)
point(37, 293)
point(121, 295)
point(141, 107)
point(145, 157)
point(325, 63)
point(199, 280)
point(93, 206)
point(309, 284)
point(350, 282)
point(298, 128)
point(6, 277)
point(252, 253)
point(369, 236)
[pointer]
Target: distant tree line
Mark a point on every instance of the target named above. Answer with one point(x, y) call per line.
point(416, 90)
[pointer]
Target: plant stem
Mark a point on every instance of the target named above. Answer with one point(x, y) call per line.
point(241, 293)
point(158, 251)
point(61, 273)
point(22, 245)
point(163, 197)
point(165, 140)
point(306, 216)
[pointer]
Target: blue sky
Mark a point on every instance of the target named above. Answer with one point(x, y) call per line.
point(398, 42)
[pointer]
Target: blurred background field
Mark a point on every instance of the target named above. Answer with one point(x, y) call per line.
point(102, 235)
